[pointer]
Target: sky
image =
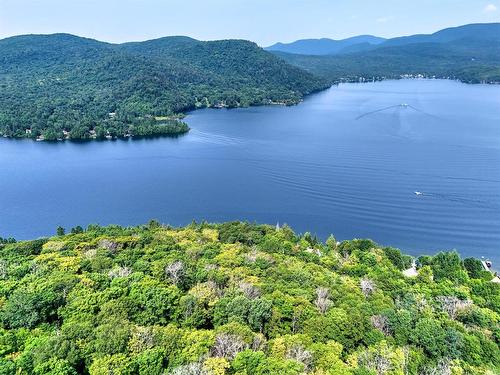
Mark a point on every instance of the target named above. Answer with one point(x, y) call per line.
point(262, 21)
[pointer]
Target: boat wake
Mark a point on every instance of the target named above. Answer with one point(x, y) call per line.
point(401, 106)
point(214, 138)
point(478, 203)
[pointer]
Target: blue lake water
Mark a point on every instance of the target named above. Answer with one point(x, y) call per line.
point(346, 161)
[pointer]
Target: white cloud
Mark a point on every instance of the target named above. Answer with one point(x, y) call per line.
point(490, 8)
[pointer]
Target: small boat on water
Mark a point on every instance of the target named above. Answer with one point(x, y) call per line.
point(419, 193)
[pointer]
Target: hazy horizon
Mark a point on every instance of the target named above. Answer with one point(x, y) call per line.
point(259, 21)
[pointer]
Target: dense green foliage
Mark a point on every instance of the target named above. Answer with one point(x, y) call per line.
point(239, 298)
point(469, 53)
point(62, 86)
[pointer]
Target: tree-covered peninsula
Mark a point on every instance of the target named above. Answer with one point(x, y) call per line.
point(239, 298)
point(61, 86)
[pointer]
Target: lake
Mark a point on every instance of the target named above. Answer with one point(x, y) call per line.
point(346, 161)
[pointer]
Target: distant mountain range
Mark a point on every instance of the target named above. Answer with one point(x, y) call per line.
point(470, 53)
point(326, 46)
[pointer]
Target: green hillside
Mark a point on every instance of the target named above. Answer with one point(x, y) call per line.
point(239, 298)
point(65, 86)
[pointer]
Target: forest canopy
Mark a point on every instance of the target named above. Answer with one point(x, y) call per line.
point(239, 298)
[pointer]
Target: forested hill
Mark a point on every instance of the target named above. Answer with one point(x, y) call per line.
point(470, 53)
point(238, 298)
point(59, 86)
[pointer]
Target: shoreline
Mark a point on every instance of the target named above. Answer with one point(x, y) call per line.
point(362, 79)
point(188, 111)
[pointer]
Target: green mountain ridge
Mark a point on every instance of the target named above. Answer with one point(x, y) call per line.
point(239, 299)
point(62, 85)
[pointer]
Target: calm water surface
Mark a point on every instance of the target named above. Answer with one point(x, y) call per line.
point(347, 161)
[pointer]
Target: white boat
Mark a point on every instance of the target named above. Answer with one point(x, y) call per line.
point(419, 193)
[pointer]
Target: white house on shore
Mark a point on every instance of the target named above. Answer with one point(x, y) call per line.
point(412, 271)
